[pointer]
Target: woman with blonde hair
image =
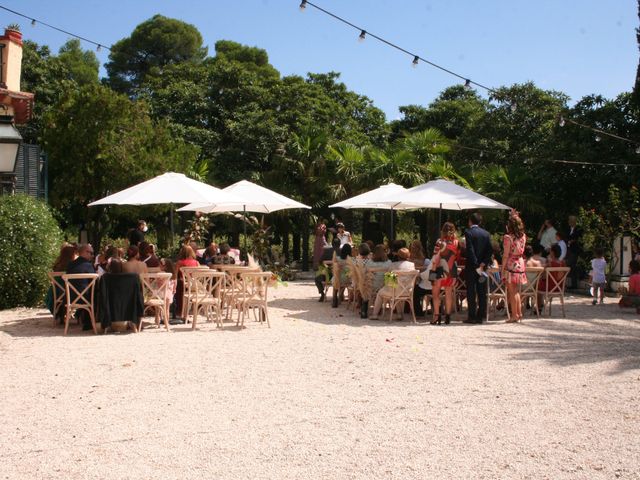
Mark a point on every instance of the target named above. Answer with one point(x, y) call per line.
point(513, 269)
point(444, 268)
point(416, 253)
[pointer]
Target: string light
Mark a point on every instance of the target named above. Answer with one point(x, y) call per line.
point(562, 123)
point(362, 36)
point(467, 84)
point(417, 58)
point(598, 138)
point(637, 149)
point(513, 107)
point(303, 5)
point(98, 48)
point(53, 27)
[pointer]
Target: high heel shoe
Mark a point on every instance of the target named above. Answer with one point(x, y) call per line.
point(447, 319)
point(436, 319)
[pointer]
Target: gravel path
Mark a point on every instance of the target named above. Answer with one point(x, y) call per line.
point(324, 395)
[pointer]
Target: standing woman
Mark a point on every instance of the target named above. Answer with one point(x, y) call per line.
point(446, 253)
point(320, 243)
point(513, 264)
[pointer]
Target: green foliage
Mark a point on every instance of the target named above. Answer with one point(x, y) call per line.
point(100, 142)
point(29, 243)
point(618, 215)
point(52, 77)
point(152, 46)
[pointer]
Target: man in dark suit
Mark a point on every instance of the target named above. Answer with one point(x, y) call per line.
point(327, 256)
point(82, 264)
point(478, 242)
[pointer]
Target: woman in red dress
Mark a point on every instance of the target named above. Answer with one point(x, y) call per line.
point(445, 256)
point(513, 264)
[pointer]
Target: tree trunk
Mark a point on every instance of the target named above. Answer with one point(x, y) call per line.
point(296, 245)
point(285, 240)
point(305, 242)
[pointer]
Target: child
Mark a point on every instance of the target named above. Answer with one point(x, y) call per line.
point(598, 278)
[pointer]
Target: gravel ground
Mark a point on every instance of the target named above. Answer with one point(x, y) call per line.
point(323, 394)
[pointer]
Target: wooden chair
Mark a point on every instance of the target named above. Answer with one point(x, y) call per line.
point(369, 290)
point(81, 300)
point(401, 294)
point(154, 269)
point(340, 284)
point(185, 272)
point(353, 287)
point(556, 280)
point(255, 287)
point(530, 289)
point(58, 288)
point(232, 286)
point(460, 289)
point(154, 292)
point(205, 291)
point(496, 291)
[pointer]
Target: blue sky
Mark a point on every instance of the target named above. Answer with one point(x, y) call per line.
point(575, 46)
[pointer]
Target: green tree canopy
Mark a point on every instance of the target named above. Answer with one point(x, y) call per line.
point(100, 142)
point(152, 46)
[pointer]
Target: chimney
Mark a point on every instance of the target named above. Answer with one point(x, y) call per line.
point(11, 45)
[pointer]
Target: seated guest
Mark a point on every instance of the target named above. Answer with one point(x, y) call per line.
point(632, 297)
point(345, 254)
point(537, 254)
point(82, 264)
point(68, 253)
point(223, 258)
point(553, 260)
point(323, 274)
point(529, 258)
point(133, 264)
point(394, 246)
point(186, 258)
point(119, 296)
point(364, 254)
point(379, 260)
point(416, 254)
point(209, 254)
point(422, 289)
point(149, 256)
point(403, 264)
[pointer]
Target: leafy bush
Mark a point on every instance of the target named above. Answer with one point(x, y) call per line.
point(29, 244)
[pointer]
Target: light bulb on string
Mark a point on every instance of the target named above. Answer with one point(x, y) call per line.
point(514, 107)
point(362, 36)
point(99, 48)
point(416, 59)
point(598, 138)
point(303, 5)
point(33, 22)
point(481, 154)
point(562, 122)
point(637, 149)
point(467, 84)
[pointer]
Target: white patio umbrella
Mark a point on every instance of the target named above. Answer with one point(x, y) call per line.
point(251, 198)
point(374, 199)
point(169, 188)
point(441, 194)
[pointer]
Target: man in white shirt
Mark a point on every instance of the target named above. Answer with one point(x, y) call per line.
point(547, 235)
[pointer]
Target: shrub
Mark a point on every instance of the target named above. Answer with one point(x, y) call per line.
point(30, 240)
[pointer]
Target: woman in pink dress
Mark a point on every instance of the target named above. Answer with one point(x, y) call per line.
point(513, 264)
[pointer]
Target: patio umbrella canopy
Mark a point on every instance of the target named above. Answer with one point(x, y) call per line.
point(374, 199)
point(250, 198)
point(441, 194)
point(169, 187)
